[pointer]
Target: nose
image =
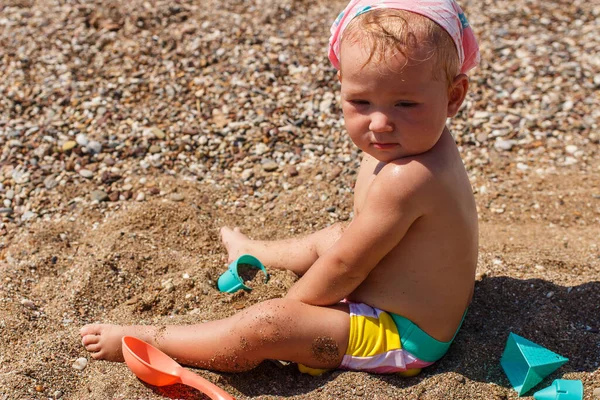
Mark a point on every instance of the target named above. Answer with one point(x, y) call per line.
point(380, 122)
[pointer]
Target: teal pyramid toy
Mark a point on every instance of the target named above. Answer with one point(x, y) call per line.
point(561, 389)
point(526, 364)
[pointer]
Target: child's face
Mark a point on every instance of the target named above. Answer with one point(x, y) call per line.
point(392, 110)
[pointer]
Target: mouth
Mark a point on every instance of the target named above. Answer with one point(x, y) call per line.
point(385, 146)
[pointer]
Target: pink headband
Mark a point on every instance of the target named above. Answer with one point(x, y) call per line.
point(445, 13)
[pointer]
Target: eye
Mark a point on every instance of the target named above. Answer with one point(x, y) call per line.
point(358, 102)
point(406, 104)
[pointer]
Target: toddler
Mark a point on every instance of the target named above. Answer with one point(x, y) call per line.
point(388, 291)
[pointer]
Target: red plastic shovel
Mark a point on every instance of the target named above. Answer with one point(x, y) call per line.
point(156, 368)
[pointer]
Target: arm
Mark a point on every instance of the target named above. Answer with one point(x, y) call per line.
point(391, 206)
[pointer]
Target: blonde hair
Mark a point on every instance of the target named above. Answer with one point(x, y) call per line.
point(388, 31)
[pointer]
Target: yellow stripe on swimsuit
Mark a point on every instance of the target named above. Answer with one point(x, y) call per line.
point(375, 343)
point(372, 334)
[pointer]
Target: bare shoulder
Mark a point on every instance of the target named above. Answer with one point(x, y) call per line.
point(405, 179)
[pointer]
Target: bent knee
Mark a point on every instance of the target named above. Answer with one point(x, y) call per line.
point(269, 320)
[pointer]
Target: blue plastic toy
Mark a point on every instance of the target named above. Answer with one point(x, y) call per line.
point(561, 389)
point(526, 364)
point(230, 281)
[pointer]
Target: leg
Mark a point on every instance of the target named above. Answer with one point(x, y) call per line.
point(275, 329)
point(296, 254)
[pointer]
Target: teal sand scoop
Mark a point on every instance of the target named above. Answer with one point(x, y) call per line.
point(561, 389)
point(526, 363)
point(231, 281)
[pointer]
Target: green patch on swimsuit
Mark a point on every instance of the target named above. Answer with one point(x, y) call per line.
point(418, 342)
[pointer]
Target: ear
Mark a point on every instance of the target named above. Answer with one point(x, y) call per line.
point(457, 91)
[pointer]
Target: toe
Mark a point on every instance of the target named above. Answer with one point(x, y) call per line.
point(93, 348)
point(90, 339)
point(92, 329)
point(99, 355)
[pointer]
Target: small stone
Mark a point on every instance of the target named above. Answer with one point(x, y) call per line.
point(94, 147)
point(335, 172)
point(80, 364)
point(6, 211)
point(549, 294)
point(57, 394)
point(86, 173)
point(177, 197)
point(154, 149)
point(158, 133)
point(571, 149)
point(39, 388)
point(247, 174)
point(140, 196)
point(505, 145)
point(131, 301)
point(50, 182)
point(69, 145)
point(292, 171)
point(28, 215)
point(270, 166)
point(597, 393)
point(99, 195)
point(28, 303)
point(114, 196)
point(82, 139)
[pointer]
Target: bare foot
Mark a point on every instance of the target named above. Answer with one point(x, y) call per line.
point(103, 341)
point(235, 242)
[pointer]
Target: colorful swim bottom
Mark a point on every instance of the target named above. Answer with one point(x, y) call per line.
point(382, 342)
point(375, 343)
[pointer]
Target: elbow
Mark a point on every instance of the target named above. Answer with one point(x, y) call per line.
point(351, 274)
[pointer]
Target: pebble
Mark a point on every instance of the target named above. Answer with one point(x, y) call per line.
point(597, 393)
point(86, 173)
point(28, 303)
point(247, 174)
point(99, 195)
point(158, 133)
point(81, 139)
point(154, 149)
point(571, 149)
point(505, 145)
point(94, 147)
point(177, 197)
point(80, 363)
point(50, 182)
point(270, 166)
point(28, 215)
point(140, 196)
point(69, 145)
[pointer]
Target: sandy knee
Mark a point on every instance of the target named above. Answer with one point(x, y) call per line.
point(269, 320)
